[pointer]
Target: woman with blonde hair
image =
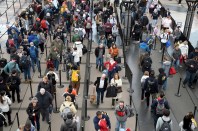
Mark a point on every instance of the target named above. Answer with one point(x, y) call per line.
point(117, 82)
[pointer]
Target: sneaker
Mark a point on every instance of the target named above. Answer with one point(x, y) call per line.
point(160, 51)
point(183, 86)
point(191, 87)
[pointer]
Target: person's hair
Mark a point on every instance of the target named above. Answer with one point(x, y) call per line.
point(2, 93)
point(191, 115)
point(187, 122)
point(146, 73)
point(117, 75)
point(75, 48)
point(121, 101)
point(152, 73)
point(166, 112)
point(70, 88)
point(165, 58)
point(98, 113)
point(161, 70)
point(161, 94)
point(68, 98)
point(45, 77)
point(14, 72)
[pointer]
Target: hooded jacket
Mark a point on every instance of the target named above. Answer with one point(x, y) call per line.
point(160, 122)
point(45, 100)
point(69, 124)
point(125, 112)
point(10, 66)
point(154, 89)
point(96, 121)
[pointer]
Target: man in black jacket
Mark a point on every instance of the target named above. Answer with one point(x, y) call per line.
point(46, 85)
point(4, 87)
point(151, 87)
point(99, 53)
point(45, 103)
point(101, 85)
point(191, 69)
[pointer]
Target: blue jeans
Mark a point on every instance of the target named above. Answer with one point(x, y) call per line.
point(110, 75)
point(120, 124)
point(56, 64)
point(100, 92)
point(99, 61)
point(35, 61)
point(189, 78)
point(176, 64)
point(27, 73)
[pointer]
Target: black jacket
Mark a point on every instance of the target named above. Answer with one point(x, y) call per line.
point(2, 119)
point(154, 88)
point(69, 124)
point(162, 78)
point(97, 83)
point(30, 110)
point(3, 87)
point(14, 82)
point(47, 86)
point(45, 100)
point(194, 64)
point(97, 51)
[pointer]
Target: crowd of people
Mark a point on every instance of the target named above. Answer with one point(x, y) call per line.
point(58, 19)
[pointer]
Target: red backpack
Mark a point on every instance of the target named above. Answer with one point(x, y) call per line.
point(43, 24)
point(103, 125)
point(50, 64)
point(11, 43)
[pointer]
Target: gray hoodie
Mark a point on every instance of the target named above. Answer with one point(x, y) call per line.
point(68, 124)
point(160, 122)
point(125, 111)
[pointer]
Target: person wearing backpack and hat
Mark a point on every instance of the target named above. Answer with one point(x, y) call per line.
point(164, 123)
point(150, 87)
point(33, 50)
point(75, 78)
point(158, 106)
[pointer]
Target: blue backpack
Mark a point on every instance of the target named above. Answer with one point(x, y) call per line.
point(33, 52)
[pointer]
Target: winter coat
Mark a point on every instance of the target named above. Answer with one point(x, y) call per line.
point(79, 46)
point(70, 105)
point(155, 103)
point(5, 106)
point(191, 69)
point(47, 86)
point(114, 52)
point(121, 114)
point(45, 100)
point(110, 66)
point(96, 121)
point(160, 122)
point(97, 51)
point(69, 124)
point(97, 84)
point(176, 54)
point(3, 87)
point(30, 110)
point(10, 66)
point(154, 89)
point(15, 81)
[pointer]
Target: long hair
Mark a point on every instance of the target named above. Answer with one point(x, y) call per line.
point(187, 123)
point(2, 93)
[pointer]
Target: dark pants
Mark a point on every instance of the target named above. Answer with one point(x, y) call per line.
point(15, 89)
point(100, 95)
point(41, 45)
point(147, 95)
point(45, 114)
point(36, 123)
point(107, 34)
point(9, 116)
point(142, 96)
point(189, 78)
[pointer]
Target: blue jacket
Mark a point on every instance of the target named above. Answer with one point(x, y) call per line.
point(144, 47)
point(32, 37)
point(10, 30)
point(96, 121)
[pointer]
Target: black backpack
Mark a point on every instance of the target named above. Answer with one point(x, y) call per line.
point(147, 63)
point(24, 62)
point(150, 84)
point(51, 78)
point(165, 126)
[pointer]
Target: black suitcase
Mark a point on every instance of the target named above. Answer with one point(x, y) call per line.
point(118, 59)
point(3, 62)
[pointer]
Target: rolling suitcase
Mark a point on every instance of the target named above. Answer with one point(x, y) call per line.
point(3, 62)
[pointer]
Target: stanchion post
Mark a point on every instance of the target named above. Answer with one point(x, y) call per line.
point(7, 4)
point(178, 94)
point(55, 100)
point(195, 110)
point(163, 51)
point(70, 35)
point(1, 52)
point(86, 116)
point(46, 51)
point(82, 128)
point(40, 76)
point(50, 126)
point(60, 86)
point(17, 115)
point(13, 6)
point(30, 82)
point(136, 122)
point(20, 3)
point(7, 18)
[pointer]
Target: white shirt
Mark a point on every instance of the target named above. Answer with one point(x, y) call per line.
point(76, 56)
point(56, 76)
point(118, 82)
point(101, 83)
point(5, 105)
point(144, 77)
point(79, 46)
point(184, 49)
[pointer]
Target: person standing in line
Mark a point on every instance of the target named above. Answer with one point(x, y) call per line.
point(166, 65)
point(144, 77)
point(101, 85)
point(162, 80)
point(187, 124)
point(33, 112)
point(117, 82)
point(45, 104)
point(5, 103)
point(176, 56)
point(99, 53)
point(164, 120)
point(121, 113)
point(46, 85)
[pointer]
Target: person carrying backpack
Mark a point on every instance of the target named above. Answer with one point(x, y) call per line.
point(75, 78)
point(67, 106)
point(70, 123)
point(158, 106)
point(162, 80)
point(25, 66)
point(34, 56)
point(150, 87)
point(164, 123)
point(146, 63)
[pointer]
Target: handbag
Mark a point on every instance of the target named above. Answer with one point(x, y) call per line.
point(168, 43)
point(172, 71)
point(111, 92)
point(119, 89)
point(118, 59)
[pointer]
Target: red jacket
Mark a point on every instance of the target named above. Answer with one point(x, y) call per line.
point(110, 66)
